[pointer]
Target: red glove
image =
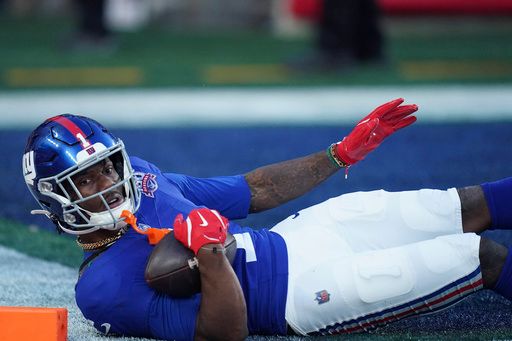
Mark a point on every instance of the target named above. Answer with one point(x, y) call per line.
point(203, 226)
point(369, 133)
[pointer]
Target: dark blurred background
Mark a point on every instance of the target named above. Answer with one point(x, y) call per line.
point(203, 43)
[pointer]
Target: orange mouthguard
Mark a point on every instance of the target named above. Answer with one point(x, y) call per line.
point(154, 235)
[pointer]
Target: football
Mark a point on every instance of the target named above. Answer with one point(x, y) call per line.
point(172, 268)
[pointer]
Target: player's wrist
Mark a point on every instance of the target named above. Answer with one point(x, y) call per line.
point(333, 156)
point(212, 248)
point(211, 257)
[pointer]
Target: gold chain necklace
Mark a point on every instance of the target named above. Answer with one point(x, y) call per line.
point(101, 243)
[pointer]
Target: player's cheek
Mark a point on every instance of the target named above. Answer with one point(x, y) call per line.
point(93, 204)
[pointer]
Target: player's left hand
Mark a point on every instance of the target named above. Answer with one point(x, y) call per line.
point(369, 133)
point(202, 226)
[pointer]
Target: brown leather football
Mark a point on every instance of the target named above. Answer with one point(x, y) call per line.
point(172, 268)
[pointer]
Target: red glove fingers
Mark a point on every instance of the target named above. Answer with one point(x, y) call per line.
point(399, 113)
point(202, 226)
point(369, 133)
point(404, 123)
point(383, 109)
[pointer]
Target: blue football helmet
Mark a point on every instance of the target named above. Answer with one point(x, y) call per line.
point(62, 147)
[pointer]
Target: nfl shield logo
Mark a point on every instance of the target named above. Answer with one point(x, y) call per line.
point(322, 297)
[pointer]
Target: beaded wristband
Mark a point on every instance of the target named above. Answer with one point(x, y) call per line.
point(331, 154)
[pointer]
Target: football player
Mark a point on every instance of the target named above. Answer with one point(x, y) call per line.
point(349, 264)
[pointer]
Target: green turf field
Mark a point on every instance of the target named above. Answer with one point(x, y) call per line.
point(420, 50)
point(40, 243)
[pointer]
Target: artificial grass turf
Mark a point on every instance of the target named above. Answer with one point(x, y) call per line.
point(40, 243)
point(169, 57)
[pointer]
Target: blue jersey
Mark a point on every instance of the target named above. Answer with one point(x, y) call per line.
point(112, 291)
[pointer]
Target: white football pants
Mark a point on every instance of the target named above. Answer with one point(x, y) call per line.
point(362, 260)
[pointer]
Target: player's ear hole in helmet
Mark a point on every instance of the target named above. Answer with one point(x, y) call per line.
point(63, 149)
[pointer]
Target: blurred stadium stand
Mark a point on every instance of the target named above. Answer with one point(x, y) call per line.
point(228, 42)
point(222, 13)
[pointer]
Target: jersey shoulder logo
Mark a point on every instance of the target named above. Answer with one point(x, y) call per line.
point(147, 183)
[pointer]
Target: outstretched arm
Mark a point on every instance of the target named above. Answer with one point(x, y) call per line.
point(279, 183)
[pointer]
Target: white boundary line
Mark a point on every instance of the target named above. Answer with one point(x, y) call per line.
point(296, 106)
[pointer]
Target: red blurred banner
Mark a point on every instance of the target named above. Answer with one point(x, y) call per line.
point(447, 6)
point(311, 9)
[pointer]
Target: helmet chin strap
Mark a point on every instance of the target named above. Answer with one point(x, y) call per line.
point(107, 220)
point(42, 212)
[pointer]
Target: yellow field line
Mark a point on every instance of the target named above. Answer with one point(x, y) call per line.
point(243, 74)
point(443, 70)
point(85, 76)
